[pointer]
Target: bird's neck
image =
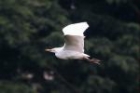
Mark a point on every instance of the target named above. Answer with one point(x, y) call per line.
point(58, 49)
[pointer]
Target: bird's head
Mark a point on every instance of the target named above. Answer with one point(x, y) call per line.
point(53, 50)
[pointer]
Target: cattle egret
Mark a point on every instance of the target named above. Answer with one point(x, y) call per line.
point(73, 47)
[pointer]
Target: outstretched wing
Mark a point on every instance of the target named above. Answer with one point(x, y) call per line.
point(75, 29)
point(74, 38)
point(74, 43)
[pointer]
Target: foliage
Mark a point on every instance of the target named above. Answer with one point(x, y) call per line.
point(27, 27)
point(9, 87)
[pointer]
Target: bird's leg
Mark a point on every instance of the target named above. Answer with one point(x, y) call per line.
point(93, 60)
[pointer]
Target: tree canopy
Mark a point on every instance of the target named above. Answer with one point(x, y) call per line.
point(27, 27)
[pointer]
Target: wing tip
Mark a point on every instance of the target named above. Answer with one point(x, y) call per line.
point(81, 26)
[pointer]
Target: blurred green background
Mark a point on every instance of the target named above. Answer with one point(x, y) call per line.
point(27, 27)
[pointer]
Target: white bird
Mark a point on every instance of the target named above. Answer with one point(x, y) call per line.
point(73, 47)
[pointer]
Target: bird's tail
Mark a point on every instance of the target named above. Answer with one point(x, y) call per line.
point(86, 55)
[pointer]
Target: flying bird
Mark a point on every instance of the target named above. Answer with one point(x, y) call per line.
point(73, 47)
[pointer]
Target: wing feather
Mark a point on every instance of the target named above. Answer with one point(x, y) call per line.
point(74, 43)
point(75, 29)
point(74, 38)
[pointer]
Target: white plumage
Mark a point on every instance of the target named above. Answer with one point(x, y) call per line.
point(75, 29)
point(73, 47)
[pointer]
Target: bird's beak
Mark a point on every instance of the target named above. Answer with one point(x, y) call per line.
point(48, 50)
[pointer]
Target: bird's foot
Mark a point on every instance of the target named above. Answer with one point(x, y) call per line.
point(93, 60)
